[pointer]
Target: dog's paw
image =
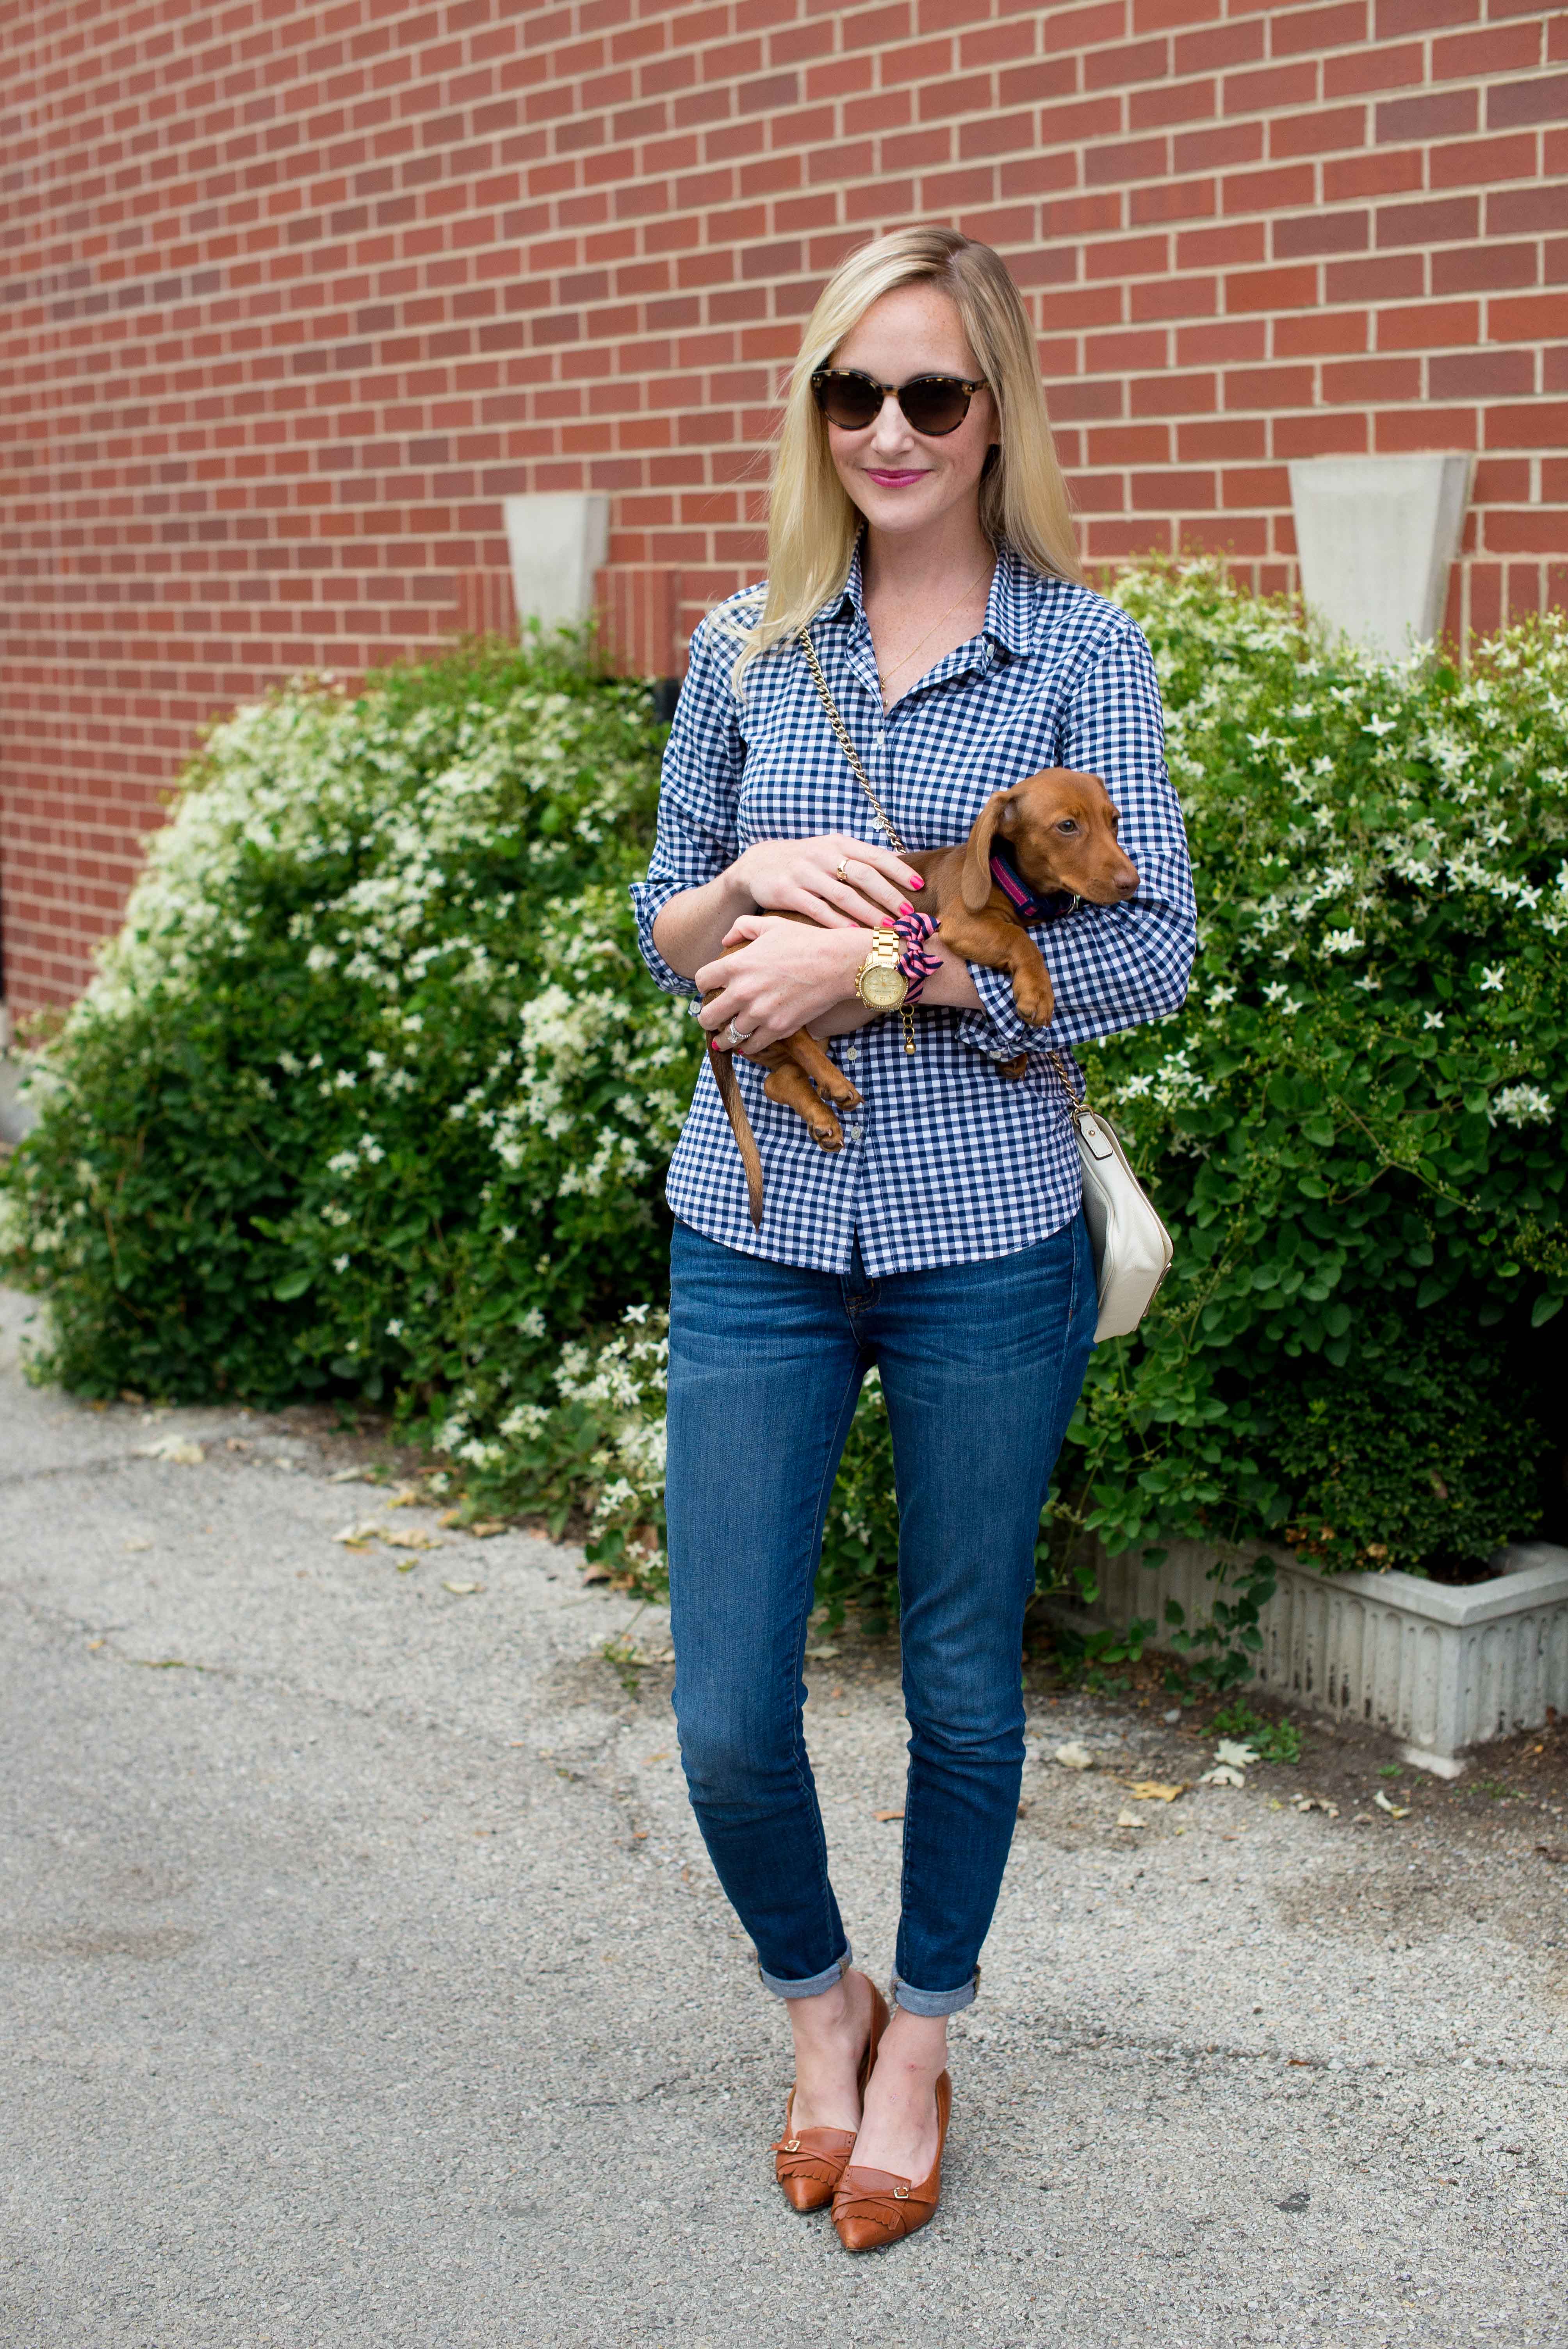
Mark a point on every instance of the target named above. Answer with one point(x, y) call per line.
point(826, 1132)
point(1032, 994)
point(842, 1094)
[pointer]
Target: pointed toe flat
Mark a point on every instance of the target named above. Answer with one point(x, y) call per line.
point(872, 2208)
point(809, 2162)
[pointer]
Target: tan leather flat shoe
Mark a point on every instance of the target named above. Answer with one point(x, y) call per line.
point(872, 2207)
point(809, 2164)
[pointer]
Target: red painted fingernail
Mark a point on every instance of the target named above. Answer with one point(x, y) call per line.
point(906, 909)
point(917, 883)
point(887, 921)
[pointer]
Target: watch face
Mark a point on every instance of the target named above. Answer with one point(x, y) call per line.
point(884, 990)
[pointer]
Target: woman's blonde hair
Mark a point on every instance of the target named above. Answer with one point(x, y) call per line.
point(812, 523)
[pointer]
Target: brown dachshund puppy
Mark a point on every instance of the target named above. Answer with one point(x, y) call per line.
point(1056, 833)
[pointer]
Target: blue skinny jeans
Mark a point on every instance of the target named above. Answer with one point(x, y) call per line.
point(981, 1365)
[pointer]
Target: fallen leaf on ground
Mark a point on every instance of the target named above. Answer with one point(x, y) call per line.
point(1223, 1773)
point(1314, 1803)
point(407, 1496)
point(1074, 1756)
point(138, 1541)
point(1126, 1818)
point(1154, 1790)
point(1553, 1851)
point(1395, 1810)
point(483, 1528)
point(1239, 1756)
point(239, 1443)
point(889, 1815)
point(351, 1477)
point(823, 1655)
point(410, 1538)
point(462, 1589)
point(360, 1535)
point(180, 1449)
point(596, 1574)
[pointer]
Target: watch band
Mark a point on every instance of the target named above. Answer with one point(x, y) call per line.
point(882, 953)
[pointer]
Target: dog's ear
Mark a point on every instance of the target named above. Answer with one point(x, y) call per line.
point(977, 858)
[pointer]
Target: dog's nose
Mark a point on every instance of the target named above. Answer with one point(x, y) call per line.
point(1128, 888)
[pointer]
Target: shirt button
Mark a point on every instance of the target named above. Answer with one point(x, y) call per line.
point(853, 1053)
point(855, 1131)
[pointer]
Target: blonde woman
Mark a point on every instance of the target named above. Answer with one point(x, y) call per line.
point(920, 530)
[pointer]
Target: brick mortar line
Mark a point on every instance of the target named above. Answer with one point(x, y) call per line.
point(275, 293)
point(267, 176)
point(180, 134)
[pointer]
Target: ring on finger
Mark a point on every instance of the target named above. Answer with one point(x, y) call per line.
point(738, 1035)
point(843, 868)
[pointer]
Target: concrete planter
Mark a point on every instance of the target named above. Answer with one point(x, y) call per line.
point(1443, 1668)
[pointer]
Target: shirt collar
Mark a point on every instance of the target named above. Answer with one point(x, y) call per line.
point(1012, 617)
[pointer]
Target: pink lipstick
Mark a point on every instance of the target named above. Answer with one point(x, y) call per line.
point(890, 481)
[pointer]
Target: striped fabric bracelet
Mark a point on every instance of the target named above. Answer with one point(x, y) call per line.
point(912, 931)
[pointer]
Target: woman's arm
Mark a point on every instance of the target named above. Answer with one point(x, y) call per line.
point(798, 876)
point(699, 881)
point(782, 976)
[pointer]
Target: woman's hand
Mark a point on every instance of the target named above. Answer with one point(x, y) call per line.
point(784, 975)
point(802, 877)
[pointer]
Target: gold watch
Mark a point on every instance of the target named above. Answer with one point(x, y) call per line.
point(879, 982)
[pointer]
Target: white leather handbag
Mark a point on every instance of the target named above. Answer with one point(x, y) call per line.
point(1132, 1249)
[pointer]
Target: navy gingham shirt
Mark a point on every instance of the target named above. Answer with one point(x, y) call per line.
point(948, 1161)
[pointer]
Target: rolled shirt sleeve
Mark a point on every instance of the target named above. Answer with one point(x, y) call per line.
point(698, 837)
point(1111, 967)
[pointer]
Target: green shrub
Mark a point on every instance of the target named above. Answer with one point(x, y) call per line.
point(373, 1093)
point(374, 1097)
point(1353, 1128)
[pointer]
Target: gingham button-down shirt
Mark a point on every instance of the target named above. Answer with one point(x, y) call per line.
point(948, 1161)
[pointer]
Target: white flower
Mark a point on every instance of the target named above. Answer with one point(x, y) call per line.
point(1276, 991)
point(394, 1329)
point(340, 1264)
point(1379, 727)
point(1492, 979)
point(1522, 1106)
point(1433, 1019)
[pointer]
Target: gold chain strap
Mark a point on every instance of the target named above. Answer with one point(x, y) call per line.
point(1077, 1104)
point(864, 780)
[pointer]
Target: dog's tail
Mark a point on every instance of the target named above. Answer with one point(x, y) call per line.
point(741, 1126)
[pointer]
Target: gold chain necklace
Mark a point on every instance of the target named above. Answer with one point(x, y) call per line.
point(884, 674)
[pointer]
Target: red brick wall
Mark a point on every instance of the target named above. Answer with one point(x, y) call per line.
point(294, 295)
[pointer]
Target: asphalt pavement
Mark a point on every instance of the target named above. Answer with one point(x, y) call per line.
point(365, 1981)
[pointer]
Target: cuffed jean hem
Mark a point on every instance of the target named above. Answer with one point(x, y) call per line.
point(814, 1987)
point(933, 2001)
